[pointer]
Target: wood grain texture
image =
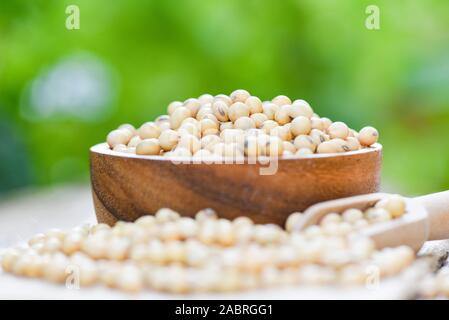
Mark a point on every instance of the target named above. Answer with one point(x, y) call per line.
point(127, 186)
point(437, 207)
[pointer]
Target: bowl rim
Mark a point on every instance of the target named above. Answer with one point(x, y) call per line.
point(103, 148)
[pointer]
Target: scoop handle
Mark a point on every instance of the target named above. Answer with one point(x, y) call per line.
point(437, 206)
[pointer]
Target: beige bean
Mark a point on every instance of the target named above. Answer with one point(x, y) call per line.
point(368, 136)
point(259, 119)
point(220, 110)
point(119, 136)
point(239, 95)
point(301, 108)
point(148, 147)
point(254, 104)
point(178, 116)
point(168, 139)
point(237, 110)
point(301, 125)
point(281, 100)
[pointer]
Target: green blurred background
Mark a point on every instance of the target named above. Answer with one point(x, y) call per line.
point(62, 90)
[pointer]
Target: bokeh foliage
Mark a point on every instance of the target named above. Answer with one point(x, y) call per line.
point(395, 78)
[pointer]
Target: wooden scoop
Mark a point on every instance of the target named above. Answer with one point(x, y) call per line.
point(426, 218)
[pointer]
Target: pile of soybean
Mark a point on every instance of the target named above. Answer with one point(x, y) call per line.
point(239, 125)
point(171, 253)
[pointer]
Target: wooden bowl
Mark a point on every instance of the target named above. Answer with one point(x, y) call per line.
point(127, 186)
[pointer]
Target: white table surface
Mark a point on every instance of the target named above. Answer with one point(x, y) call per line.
point(28, 213)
